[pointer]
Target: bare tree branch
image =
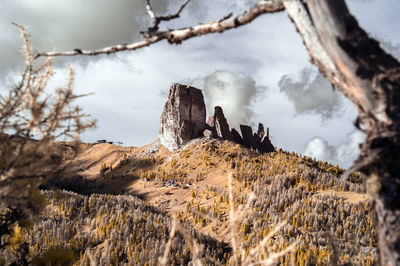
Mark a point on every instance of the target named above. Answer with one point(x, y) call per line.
point(179, 35)
point(177, 14)
point(157, 20)
point(151, 14)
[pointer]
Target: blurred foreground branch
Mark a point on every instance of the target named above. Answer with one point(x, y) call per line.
point(31, 120)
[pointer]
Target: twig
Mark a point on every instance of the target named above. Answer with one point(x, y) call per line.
point(232, 220)
point(157, 20)
point(272, 258)
point(164, 259)
point(152, 15)
point(177, 14)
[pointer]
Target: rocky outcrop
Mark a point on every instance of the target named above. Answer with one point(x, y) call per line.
point(247, 135)
point(183, 118)
point(266, 145)
point(221, 125)
point(236, 137)
point(209, 134)
point(210, 121)
point(217, 127)
point(260, 131)
point(258, 141)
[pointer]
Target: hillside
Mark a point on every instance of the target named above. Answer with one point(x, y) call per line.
point(229, 202)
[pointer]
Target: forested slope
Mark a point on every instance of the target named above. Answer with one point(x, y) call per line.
point(230, 203)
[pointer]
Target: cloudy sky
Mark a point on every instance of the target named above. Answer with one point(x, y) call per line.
point(257, 73)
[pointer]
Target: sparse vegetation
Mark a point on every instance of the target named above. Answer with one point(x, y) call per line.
point(109, 230)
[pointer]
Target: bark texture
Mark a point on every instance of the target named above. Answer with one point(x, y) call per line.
point(370, 78)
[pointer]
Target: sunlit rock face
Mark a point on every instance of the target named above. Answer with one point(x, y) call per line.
point(183, 118)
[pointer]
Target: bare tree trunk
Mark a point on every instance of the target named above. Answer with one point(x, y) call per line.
point(370, 78)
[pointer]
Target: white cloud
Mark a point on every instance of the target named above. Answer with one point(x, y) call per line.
point(66, 25)
point(128, 102)
point(235, 93)
point(311, 92)
point(379, 17)
point(342, 154)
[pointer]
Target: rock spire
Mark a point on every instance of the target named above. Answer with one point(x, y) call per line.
point(183, 118)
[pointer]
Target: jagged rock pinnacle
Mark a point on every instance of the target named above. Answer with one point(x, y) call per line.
point(183, 118)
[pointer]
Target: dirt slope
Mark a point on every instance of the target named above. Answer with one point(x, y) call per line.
point(91, 159)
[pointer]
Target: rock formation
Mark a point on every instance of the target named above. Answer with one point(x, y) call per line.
point(209, 134)
point(210, 121)
point(247, 135)
point(266, 145)
point(236, 137)
point(183, 118)
point(221, 125)
point(260, 131)
point(217, 127)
